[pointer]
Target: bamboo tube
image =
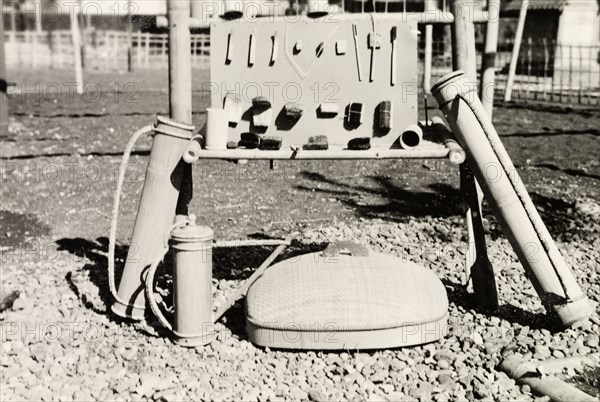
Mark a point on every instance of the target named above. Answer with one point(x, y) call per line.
point(411, 137)
point(441, 133)
point(342, 154)
point(165, 172)
point(488, 60)
point(551, 276)
point(525, 373)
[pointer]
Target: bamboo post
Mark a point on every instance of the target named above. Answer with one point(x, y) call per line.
point(463, 40)
point(430, 5)
point(512, 69)
point(477, 262)
point(77, 53)
point(165, 171)
point(3, 81)
point(488, 59)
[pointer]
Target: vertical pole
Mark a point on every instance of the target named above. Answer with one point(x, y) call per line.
point(164, 175)
point(38, 16)
point(512, 69)
point(463, 40)
point(545, 43)
point(430, 5)
point(180, 84)
point(129, 37)
point(147, 49)
point(82, 33)
point(478, 266)
point(3, 81)
point(77, 52)
point(488, 59)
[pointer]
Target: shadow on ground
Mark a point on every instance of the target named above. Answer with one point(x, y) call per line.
point(235, 263)
point(399, 204)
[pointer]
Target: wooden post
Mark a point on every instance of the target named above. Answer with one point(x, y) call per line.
point(478, 266)
point(147, 49)
point(464, 56)
point(488, 59)
point(180, 85)
point(165, 173)
point(38, 16)
point(430, 5)
point(129, 37)
point(76, 38)
point(512, 69)
point(3, 81)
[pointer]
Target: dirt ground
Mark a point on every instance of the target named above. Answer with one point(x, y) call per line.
point(59, 164)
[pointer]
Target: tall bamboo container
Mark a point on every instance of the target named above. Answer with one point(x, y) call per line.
point(551, 276)
point(165, 172)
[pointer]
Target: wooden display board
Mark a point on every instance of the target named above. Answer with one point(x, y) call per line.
point(315, 63)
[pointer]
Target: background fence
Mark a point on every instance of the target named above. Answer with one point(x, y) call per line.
point(546, 70)
point(102, 50)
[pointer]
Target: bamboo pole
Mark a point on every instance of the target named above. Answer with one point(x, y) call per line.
point(165, 172)
point(550, 274)
point(512, 69)
point(432, 17)
point(464, 56)
point(434, 152)
point(76, 39)
point(488, 59)
point(3, 80)
point(525, 373)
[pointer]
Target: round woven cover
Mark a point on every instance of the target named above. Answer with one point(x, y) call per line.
point(360, 301)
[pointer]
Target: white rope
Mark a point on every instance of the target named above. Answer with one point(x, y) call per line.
point(115, 211)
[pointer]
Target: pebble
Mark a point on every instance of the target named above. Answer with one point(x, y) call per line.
point(129, 364)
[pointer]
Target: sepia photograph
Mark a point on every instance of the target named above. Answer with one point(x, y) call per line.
point(300, 200)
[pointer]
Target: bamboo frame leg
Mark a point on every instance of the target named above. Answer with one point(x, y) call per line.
point(478, 266)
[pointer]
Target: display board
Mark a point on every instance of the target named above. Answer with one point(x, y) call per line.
point(293, 79)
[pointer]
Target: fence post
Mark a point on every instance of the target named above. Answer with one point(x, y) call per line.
point(545, 43)
point(488, 58)
point(77, 53)
point(147, 52)
point(3, 81)
point(561, 67)
point(516, 48)
point(570, 71)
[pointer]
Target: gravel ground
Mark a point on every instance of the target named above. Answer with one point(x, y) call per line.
point(58, 341)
